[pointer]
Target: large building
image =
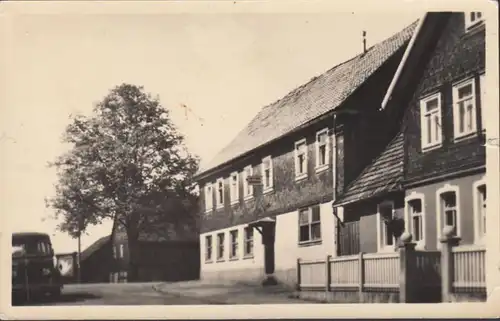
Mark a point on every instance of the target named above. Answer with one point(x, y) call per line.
point(267, 196)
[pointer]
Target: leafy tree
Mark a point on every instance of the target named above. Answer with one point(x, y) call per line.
point(128, 162)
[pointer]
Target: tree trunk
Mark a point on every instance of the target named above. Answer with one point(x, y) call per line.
point(134, 252)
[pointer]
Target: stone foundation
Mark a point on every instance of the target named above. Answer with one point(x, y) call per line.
point(347, 296)
point(250, 276)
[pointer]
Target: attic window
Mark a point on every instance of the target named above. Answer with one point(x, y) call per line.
point(473, 19)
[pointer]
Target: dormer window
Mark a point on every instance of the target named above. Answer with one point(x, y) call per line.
point(473, 19)
point(267, 174)
point(208, 197)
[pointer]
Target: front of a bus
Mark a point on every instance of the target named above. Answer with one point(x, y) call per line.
point(34, 270)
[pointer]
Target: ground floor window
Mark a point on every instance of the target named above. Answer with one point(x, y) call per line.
point(309, 224)
point(248, 251)
point(449, 210)
point(480, 209)
point(234, 244)
point(220, 246)
point(208, 248)
point(385, 215)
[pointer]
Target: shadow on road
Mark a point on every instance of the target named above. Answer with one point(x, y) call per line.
point(47, 300)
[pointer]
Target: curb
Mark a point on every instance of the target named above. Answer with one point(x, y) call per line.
point(180, 295)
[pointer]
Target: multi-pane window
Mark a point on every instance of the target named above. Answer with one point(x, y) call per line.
point(248, 251)
point(482, 87)
point(247, 187)
point(464, 108)
point(300, 159)
point(235, 188)
point(416, 219)
point(449, 209)
point(309, 224)
point(481, 207)
point(234, 244)
point(208, 248)
point(220, 246)
point(267, 173)
point(220, 192)
point(430, 115)
point(386, 214)
point(322, 149)
point(209, 197)
point(472, 19)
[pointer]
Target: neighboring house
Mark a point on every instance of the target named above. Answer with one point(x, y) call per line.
point(166, 254)
point(432, 173)
point(297, 151)
point(95, 261)
point(444, 133)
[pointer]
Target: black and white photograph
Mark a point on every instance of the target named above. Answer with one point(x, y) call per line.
point(227, 155)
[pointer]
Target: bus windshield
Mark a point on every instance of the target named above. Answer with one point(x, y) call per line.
point(30, 245)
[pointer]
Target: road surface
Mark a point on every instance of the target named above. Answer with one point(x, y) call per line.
point(113, 294)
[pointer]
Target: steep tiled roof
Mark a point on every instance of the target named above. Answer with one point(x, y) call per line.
point(94, 247)
point(383, 175)
point(311, 100)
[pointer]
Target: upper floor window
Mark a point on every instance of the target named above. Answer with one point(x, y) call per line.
point(234, 244)
point(114, 252)
point(309, 224)
point(267, 173)
point(482, 100)
point(209, 198)
point(248, 250)
point(430, 120)
point(479, 198)
point(235, 188)
point(220, 246)
point(385, 238)
point(208, 248)
point(464, 108)
point(220, 193)
point(473, 19)
point(247, 187)
point(322, 150)
point(300, 159)
point(121, 250)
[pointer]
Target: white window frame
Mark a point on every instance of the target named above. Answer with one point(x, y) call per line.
point(310, 223)
point(121, 251)
point(439, 217)
point(470, 23)
point(456, 87)
point(219, 202)
point(479, 237)
point(423, 125)
point(482, 100)
point(235, 243)
point(209, 248)
point(115, 255)
point(383, 247)
point(248, 240)
point(247, 187)
point(267, 189)
point(209, 197)
point(235, 193)
point(321, 167)
point(298, 174)
point(220, 245)
point(414, 196)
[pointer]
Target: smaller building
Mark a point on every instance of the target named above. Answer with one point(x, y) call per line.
point(95, 261)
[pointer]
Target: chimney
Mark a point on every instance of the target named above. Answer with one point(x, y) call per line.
point(364, 42)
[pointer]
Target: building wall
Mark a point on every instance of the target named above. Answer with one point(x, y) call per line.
point(466, 203)
point(456, 56)
point(96, 268)
point(287, 250)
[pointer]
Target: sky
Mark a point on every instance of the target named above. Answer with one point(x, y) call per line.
point(224, 66)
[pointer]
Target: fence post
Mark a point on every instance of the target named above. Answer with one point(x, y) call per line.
point(298, 275)
point(328, 274)
point(361, 272)
point(406, 267)
point(448, 241)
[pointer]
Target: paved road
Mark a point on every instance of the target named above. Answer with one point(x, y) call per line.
point(115, 294)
